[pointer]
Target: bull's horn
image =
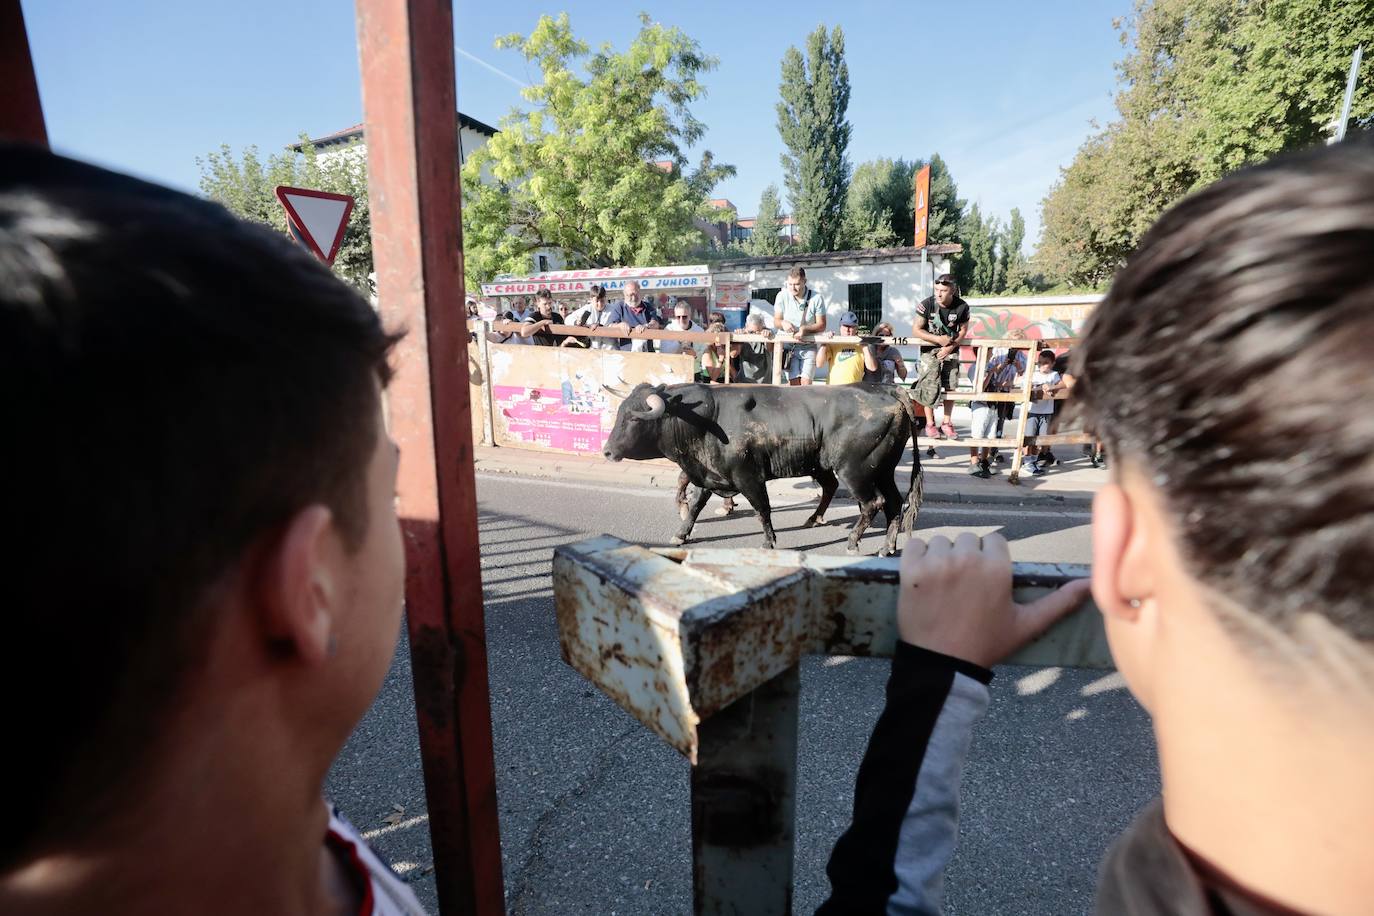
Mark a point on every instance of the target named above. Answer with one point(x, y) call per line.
point(656, 407)
point(620, 394)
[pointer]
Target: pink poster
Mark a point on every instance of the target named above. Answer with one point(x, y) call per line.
point(553, 418)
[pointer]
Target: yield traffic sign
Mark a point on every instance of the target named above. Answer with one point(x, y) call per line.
point(317, 219)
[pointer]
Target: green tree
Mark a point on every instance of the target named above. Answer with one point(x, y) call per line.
point(1015, 270)
point(765, 239)
point(978, 269)
point(878, 205)
point(246, 186)
point(576, 171)
point(946, 206)
point(1206, 87)
point(815, 131)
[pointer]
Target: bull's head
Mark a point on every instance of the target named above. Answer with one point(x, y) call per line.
point(635, 434)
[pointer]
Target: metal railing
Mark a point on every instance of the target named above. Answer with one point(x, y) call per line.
point(702, 647)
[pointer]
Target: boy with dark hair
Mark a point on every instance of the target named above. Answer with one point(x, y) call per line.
point(1234, 579)
point(207, 594)
point(536, 326)
point(1041, 411)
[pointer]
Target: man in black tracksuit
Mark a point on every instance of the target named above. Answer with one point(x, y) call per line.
point(1234, 582)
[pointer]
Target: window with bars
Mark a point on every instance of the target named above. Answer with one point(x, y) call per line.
point(768, 292)
point(866, 301)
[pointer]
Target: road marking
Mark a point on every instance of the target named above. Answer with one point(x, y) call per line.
point(985, 509)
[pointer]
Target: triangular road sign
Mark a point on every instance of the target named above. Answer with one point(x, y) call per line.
point(317, 219)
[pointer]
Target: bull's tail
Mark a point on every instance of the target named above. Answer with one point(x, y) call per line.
point(916, 488)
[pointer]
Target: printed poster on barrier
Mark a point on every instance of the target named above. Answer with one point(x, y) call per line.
point(553, 398)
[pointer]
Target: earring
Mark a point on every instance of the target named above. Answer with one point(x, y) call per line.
point(1133, 602)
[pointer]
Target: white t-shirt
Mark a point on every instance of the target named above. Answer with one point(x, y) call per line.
point(599, 319)
point(387, 894)
point(675, 346)
point(1039, 378)
point(521, 317)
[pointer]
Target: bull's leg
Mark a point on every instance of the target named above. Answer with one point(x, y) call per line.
point(869, 501)
point(682, 483)
point(892, 508)
point(756, 491)
point(694, 505)
point(829, 484)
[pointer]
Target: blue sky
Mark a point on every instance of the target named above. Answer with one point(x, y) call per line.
point(1004, 90)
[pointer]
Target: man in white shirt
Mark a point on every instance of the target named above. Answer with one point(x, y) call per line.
point(799, 310)
point(682, 321)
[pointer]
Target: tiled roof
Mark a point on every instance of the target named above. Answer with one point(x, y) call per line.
point(348, 133)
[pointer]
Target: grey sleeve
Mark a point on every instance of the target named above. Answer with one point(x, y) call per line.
point(906, 799)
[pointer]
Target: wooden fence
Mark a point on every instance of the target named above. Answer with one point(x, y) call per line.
point(482, 352)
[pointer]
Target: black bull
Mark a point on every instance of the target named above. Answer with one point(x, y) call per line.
point(735, 438)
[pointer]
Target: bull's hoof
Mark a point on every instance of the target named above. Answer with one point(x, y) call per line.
point(814, 521)
point(852, 551)
point(677, 541)
point(887, 551)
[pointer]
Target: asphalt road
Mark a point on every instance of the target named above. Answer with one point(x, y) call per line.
point(594, 808)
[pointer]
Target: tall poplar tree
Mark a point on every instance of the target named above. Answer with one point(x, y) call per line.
point(814, 128)
point(765, 239)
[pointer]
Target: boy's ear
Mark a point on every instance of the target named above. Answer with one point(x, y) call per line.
point(297, 586)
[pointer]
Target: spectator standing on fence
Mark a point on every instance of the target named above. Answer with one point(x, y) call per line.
point(799, 310)
point(1061, 366)
point(999, 376)
point(846, 362)
point(891, 365)
point(632, 315)
point(216, 465)
point(1006, 409)
point(1043, 379)
point(753, 361)
point(941, 320)
point(594, 314)
point(536, 326)
point(1234, 580)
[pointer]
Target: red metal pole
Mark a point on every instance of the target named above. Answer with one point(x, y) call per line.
point(21, 111)
point(411, 131)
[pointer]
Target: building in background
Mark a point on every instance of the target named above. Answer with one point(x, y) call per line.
point(877, 284)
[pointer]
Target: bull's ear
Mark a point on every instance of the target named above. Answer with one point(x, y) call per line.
point(659, 389)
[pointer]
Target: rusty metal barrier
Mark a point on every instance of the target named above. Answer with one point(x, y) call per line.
point(702, 646)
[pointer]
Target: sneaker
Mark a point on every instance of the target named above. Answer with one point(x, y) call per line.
point(1046, 459)
point(1095, 461)
point(975, 470)
point(986, 466)
point(999, 458)
point(948, 429)
point(1036, 469)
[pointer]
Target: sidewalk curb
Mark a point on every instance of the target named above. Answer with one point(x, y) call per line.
point(666, 479)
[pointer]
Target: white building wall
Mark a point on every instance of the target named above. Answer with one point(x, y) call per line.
point(469, 141)
point(904, 285)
